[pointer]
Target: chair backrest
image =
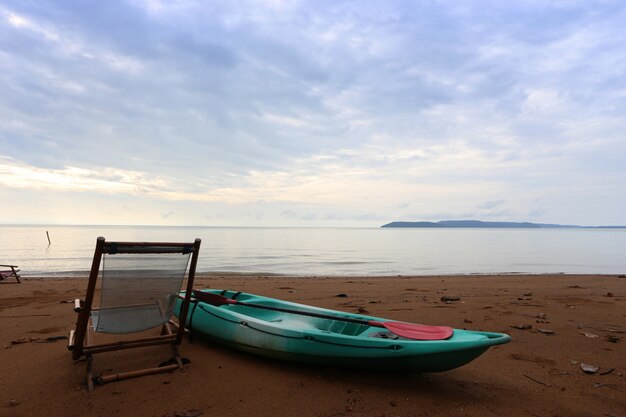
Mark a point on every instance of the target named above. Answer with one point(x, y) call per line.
point(139, 285)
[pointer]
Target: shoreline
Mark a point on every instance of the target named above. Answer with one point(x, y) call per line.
point(535, 374)
point(85, 274)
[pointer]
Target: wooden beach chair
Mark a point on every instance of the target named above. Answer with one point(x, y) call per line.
point(138, 289)
point(12, 272)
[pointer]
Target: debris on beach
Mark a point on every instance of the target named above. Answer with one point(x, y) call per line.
point(612, 338)
point(546, 332)
point(537, 381)
point(609, 294)
point(522, 326)
point(590, 335)
point(528, 294)
point(342, 295)
point(450, 298)
point(37, 340)
point(55, 338)
point(608, 329)
point(13, 403)
point(22, 340)
point(589, 369)
point(608, 371)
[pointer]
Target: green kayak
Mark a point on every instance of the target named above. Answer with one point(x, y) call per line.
point(297, 332)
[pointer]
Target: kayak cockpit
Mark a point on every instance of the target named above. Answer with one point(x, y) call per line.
point(295, 321)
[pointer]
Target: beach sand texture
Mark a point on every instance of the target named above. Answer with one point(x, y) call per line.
point(537, 374)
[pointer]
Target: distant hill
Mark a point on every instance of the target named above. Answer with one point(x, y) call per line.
point(487, 225)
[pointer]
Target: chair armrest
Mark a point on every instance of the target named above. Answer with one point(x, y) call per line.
point(70, 343)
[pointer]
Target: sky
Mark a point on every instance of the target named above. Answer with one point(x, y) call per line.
point(312, 113)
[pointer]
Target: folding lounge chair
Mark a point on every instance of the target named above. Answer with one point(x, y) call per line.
point(139, 287)
point(12, 272)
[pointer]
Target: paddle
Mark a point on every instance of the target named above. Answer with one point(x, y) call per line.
point(407, 330)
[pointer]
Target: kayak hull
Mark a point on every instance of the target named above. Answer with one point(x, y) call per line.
point(304, 339)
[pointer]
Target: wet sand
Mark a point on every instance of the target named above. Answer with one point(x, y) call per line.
point(575, 319)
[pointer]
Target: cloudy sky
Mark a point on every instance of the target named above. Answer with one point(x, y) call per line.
point(312, 113)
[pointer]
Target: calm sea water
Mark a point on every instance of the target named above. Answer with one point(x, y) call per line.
point(334, 251)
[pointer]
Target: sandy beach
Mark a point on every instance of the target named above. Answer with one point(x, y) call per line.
point(575, 319)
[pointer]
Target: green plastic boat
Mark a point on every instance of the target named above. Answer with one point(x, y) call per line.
point(329, 337)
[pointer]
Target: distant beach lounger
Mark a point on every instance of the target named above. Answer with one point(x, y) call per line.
point(9, 273)
point(140, 283)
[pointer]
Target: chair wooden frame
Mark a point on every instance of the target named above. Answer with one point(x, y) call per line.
point(80, 340)
point(9, 273)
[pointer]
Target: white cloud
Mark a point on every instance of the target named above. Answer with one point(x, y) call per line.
point(18, 175)
point(542, 100)
point(329, 110)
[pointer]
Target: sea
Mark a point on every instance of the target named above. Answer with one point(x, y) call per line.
point(302, 251)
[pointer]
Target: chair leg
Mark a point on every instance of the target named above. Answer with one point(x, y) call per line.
point(177, 357)
point(167, 330)
point(89, 373)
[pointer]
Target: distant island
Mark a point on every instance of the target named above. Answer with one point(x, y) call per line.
point(493, 225)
